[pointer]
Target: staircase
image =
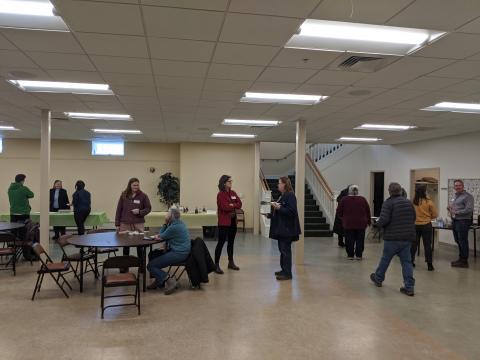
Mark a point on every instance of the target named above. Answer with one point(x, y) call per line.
point(315, 223)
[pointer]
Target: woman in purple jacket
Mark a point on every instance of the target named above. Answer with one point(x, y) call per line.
point(132, 207)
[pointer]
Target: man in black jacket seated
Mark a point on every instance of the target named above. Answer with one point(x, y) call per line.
point(397, 218)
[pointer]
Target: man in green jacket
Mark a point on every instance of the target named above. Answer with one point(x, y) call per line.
point(18, 195)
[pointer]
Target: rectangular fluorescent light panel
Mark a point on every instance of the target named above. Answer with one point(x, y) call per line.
point(30, 15)
point(385, 127)
point(96, 116)
point(360, 139)
point(274, 98)
point(361, 38)
point(7, 128)
point(116, 131)
point(239, 136)
point(469, 108)
point(102, 147)
point(265, 123)
point(62, 87)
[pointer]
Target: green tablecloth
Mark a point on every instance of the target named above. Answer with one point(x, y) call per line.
point(66, 219)
point(193, 221)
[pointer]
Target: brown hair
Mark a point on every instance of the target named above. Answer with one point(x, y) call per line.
point(128, 191)
point(288, 184)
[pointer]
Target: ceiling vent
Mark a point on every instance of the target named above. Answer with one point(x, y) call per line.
point(362, 62)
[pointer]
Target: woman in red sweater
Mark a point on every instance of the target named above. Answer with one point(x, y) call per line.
point(227, 202)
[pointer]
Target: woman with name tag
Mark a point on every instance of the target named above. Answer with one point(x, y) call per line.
point(227, 204)
point(132, 208)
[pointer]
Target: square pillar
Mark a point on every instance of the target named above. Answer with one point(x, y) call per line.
point(45, 143)
point(300, 186)
point(256, 190)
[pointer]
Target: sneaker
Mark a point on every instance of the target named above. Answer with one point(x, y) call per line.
point(460, 263)
point(350, 258)
point(374, 280)
point(407, 292)
point(218, 270)
point(232, 266)
point(170, 286)
point(153, 285)
point(430, 267)
point(282, 277)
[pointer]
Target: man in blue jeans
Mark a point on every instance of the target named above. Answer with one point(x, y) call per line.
point(178, 244)
point(461, 211)
point(397, 218)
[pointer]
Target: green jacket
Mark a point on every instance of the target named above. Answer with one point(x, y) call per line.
point(18, 195)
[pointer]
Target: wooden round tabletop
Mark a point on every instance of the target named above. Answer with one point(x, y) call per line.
point(110, 239)
point(4, 226)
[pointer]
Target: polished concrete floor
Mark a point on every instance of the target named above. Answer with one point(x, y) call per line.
point(329, 311)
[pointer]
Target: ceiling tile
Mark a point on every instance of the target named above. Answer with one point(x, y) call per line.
point(14, 58)
point(273, 74)
point(191, 4)
point(299, 58)
point(234, 72)
point(297, 8)
point(326, 90)
point(365, 11)
point(459, 70)
point(46, 41)
point(113, 45)
point(58, 61)
point(465, 87)
point(258, 29)
point(5, 44)
point(101, 17)
point(472, 27)
point(453, 46)
point(186, 50)
point(182, 23)
point(121, 64)
point(429, 83)
point(436, 15)
point(228, 85)
point(279, 87)
point(331, 77)
point(76, 76)
point(14, 72)
point(179, 68)
point(244, 54)
point(134, 90)
point(173, 82)
point(129, 79)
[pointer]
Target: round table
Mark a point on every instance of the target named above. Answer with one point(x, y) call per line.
point(112, 239)
point(5, 226)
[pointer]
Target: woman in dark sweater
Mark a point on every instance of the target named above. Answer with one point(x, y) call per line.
point(285, 226)
point(82, 205)
point(337, 224)
point(132, 207)
point(58, 201)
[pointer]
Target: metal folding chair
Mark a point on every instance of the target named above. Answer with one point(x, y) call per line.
point(8, 253)
point(62, 241)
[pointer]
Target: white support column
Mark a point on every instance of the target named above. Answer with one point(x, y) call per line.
point(300, 185)
point(45, 178)
point(256, 190)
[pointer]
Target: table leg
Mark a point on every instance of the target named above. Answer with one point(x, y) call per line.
point(82, 252)
point(144, 267)
point(95, 261)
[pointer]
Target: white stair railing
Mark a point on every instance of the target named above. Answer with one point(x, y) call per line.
point(266, 197)
point(320, 151)
point(320, 188)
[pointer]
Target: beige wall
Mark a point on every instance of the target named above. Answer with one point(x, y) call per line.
point(201, 165)
point(105, 177)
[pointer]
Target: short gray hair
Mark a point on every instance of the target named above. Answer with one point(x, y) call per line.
point(353, 190)
point(394, 189)
point(174, 213)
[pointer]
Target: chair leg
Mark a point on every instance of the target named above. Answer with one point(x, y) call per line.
point(138, 294)
point(75, 271)
point(36, 287)
point(60, 275)
point(41, 282)
point(102, 301)
point(58, 283)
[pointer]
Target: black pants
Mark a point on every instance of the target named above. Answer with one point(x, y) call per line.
point(19, 233)
point(226, 233)
point(80, 216)
point(354, 242)
point(58, 230)
point(285, 248)
point(424, 232)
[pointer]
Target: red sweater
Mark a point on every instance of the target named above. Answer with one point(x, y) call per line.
point(225, 211)
point(354, 212)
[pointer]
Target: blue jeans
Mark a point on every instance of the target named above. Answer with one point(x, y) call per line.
point(402, 249)
point(460, 234)
point(169, 258)
point(285, 248)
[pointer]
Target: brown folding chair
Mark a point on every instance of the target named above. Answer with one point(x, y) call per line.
point(62, 241)
point(240, 218)
point(121, 279)
point(8, 253)
point(49, 267)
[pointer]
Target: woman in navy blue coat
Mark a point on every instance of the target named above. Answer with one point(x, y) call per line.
point(285, 226)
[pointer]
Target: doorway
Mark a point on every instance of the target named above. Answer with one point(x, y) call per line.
point(378, 191)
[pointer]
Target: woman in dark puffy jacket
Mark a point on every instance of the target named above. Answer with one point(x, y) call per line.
point(337, 224)
point(284, 226)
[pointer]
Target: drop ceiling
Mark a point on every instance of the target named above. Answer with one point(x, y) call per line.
point(180, 67)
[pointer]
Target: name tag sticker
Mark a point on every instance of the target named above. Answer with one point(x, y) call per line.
point(136, 201)
point(234, 198)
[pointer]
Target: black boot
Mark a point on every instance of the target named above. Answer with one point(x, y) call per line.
point(218, 270)
point(460, 263)
point(232, 266)
point(430, 267)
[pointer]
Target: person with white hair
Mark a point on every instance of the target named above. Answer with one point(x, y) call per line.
point(354, 212)
point(178, 244)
